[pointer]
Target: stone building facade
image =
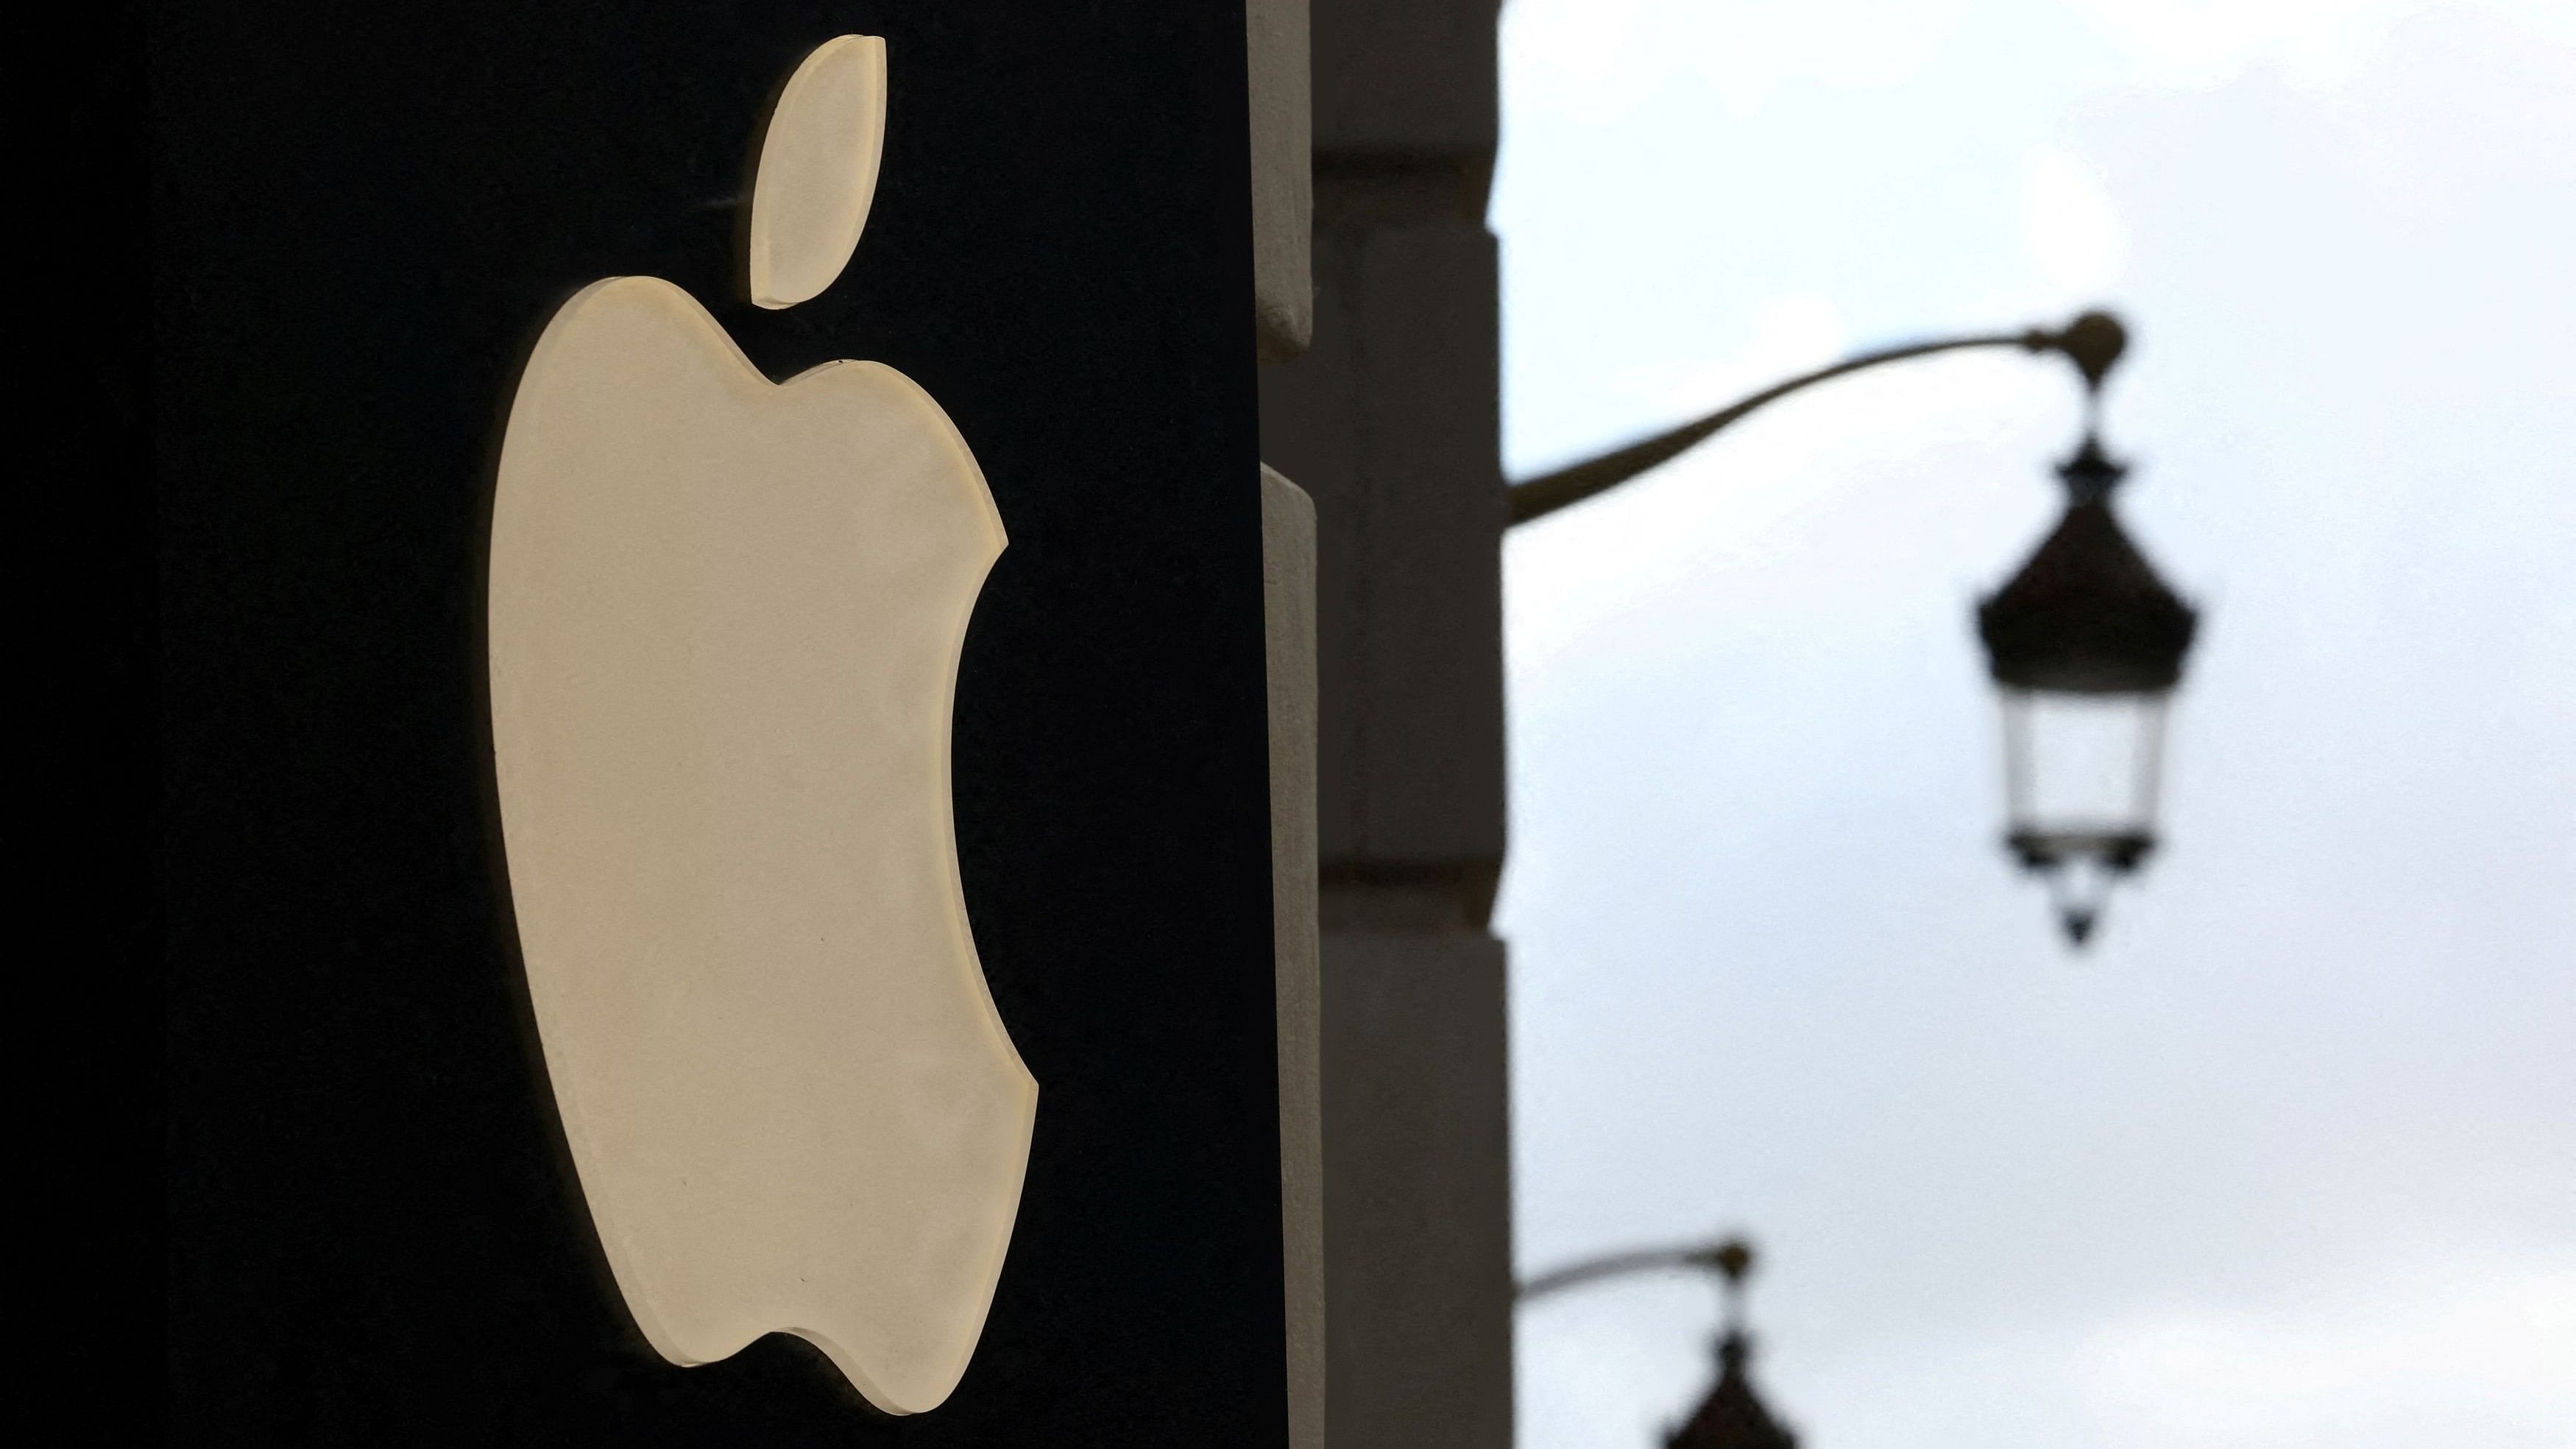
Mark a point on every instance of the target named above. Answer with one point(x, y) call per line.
point(1390, 420)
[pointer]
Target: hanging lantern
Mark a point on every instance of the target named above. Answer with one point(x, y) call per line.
point(1732, 1415)
point(2086, 645)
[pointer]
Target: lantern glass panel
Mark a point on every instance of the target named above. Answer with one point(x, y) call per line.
point(2081, 773)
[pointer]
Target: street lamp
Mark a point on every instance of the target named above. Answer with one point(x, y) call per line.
point(2085, 644)
point(1731, 1415)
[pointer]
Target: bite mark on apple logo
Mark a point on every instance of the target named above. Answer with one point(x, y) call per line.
point(725, 622)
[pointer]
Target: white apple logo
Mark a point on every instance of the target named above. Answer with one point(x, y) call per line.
point(725, 620)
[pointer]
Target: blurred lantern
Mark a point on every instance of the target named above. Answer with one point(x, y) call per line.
point(2086, 645)
point(1732, 1415)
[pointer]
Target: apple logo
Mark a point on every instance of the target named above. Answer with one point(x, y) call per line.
point(725, 617)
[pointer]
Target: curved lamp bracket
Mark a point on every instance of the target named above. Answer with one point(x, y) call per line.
point(2093, 341)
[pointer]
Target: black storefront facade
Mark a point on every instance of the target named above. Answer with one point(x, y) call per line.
point(346, 229)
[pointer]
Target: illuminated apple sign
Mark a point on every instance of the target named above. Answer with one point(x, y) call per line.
point(725, 620)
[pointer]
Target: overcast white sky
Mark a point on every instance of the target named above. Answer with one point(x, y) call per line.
point(2289, 1160)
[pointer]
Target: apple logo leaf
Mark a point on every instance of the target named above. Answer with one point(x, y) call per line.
point(817, 171)
point(724, 623)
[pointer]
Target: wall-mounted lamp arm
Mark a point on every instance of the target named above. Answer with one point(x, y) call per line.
point(1731, 1258)
point(2093, 342)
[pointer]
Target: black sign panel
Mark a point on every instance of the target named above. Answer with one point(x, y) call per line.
point(361, 216)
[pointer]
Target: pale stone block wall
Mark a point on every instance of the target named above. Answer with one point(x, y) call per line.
point(1288, 610)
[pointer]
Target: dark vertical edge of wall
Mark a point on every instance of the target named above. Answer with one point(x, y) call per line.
point(86, 697)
